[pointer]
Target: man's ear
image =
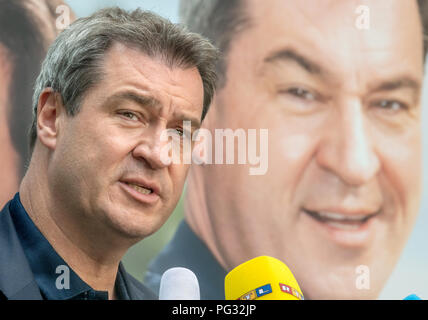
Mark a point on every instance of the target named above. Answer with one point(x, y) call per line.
point(49, 110)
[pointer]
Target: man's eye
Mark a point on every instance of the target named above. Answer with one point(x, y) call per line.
point(183, 133)
point(300, 93)
point(180, 132)
point(129, 115)
point(391, 105)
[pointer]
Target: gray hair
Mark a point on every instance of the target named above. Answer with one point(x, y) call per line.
point(221, 20)
point(423, 10)
point(73, 62)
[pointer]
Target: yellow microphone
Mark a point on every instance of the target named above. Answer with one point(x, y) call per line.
point(262, 278)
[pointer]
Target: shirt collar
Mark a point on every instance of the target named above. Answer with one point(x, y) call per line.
point(55, 278)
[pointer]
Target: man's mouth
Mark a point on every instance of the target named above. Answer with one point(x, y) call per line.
point(140, 189)
point(339, 220)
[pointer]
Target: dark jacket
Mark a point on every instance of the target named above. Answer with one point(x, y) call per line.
point(16, 278)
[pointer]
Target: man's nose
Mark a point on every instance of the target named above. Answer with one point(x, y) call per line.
point(150, 147)
point(346, 148)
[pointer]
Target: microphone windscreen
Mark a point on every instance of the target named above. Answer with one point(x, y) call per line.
point(262, 278)
point(179, 284)
point(412, 297)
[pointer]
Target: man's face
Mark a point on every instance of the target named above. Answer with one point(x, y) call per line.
point(9, 159)
point(343, 112)
point(106, 165)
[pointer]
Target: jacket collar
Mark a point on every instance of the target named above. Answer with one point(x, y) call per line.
point(136, 290)
point(16, 279)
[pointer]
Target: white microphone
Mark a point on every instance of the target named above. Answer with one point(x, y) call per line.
point(179, 284)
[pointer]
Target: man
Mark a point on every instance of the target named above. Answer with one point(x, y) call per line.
point(342, 105)
point(27, 28)
point(109, 88)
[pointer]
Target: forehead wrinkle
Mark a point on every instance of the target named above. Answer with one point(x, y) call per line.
point(158, 82)
point(140, 99)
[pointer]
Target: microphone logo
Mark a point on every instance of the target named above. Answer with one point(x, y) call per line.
point(257, 293)
point(267, 288)
point(263, 290)
point(292, 291)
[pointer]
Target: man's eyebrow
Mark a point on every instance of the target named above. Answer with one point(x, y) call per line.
point(195, 122)
point(292, 55)
point(140, 99)
point(397, 83)
point(144, 101)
